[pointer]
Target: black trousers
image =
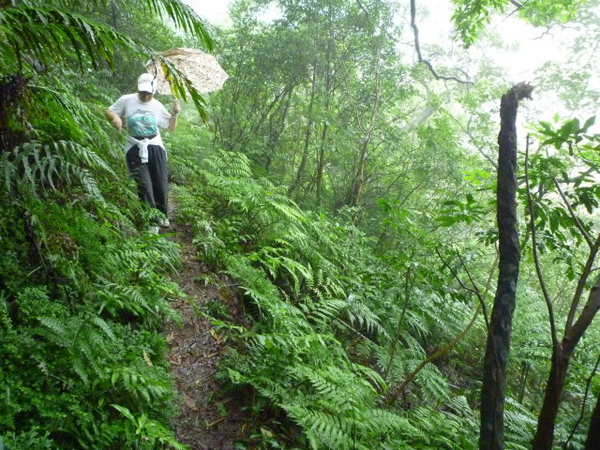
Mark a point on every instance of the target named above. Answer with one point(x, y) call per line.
point(150, 177)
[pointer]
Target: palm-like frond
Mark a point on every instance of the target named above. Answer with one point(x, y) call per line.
point(185, 18)
point(74, 109)
point(34, 36)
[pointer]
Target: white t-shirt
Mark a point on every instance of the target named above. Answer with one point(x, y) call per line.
point(142, 118)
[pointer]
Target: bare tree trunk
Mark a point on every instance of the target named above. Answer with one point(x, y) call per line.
point(355, 189)
point(13, 91)
point(353, 195)
point(329, 75)
point(276, 128)
point(321, 163)
point(561, 357)
point(556, 379)
point(593, 437)
point(308, 134)
point(498, 342)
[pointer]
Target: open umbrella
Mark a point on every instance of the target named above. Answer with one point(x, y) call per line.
point(201, 68)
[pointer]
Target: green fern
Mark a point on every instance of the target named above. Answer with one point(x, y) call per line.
point(35, 168)
point(289, 265)
point(148, 432)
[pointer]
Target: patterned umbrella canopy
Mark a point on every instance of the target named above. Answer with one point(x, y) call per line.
point(201, 68)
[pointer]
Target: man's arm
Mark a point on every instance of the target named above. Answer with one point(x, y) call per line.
point(174, 112)
point(114, 119)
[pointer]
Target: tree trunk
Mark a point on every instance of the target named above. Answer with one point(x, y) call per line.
point(593, 437)
point(353, 196)
point(358, 182)
point(329, 76)
point(498, 342)
point(276, 128)
point(321, 164)
point(561, 357)
point(307, 136)
point(13, 127)
point(544, 434)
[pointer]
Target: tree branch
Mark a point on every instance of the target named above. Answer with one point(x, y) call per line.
point(578, 224)
point(536, 257)
point(393, 395)
point(585, 397)
point(413, 24)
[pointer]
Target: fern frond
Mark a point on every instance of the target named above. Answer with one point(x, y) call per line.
point(81, 342)
point(229, 164)
point(322, 430)
point(73, 108)
point(47, 31)
point(150, 430)
point(359, 313)
point(44, 167)
point(139, 384)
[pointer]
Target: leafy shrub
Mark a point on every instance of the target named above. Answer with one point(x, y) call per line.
point(315, 344)
point(82, 295)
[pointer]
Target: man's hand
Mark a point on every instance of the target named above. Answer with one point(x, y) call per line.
point(176, 108)
point(114, 119)
point(117, 123)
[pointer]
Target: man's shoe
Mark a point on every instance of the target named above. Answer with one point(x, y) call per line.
point(164, 223)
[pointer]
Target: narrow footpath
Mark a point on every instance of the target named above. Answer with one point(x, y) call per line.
point(206, 421)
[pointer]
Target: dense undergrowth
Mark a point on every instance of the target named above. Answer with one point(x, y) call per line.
point(84, 295)
point(83, 299)
point(339, 347)
point(361, 327)
point(334, 328)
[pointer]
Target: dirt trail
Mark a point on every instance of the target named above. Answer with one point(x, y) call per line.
point(205, 422)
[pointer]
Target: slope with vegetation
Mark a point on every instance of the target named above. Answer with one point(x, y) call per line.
point(328, 280)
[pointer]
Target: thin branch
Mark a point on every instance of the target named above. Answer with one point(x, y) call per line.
point(407, 289)
point(360, 5)
point(473, 290)
point(581, 283)
point(518, 5)
point(479, 148)
point(578, 224)
point(413, 24)
point(393, 396)
point(536, 258)
point(585, 396)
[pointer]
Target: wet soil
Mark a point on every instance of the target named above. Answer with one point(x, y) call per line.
point(208, 419)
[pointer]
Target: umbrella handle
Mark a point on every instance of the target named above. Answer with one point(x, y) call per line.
point(154, 63)
point(155, 71)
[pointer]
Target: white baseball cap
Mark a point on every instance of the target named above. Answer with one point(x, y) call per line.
point(146, 83)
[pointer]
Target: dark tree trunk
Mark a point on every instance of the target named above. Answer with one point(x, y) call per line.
point(561, 357)
point(593, 437)
point(498, 342)
point(544, 435)
point(13, 126)
point(307, 137)
point(321, 164)
point(353, 196)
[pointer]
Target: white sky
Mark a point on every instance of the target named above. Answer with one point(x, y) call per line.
point(214, 11)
